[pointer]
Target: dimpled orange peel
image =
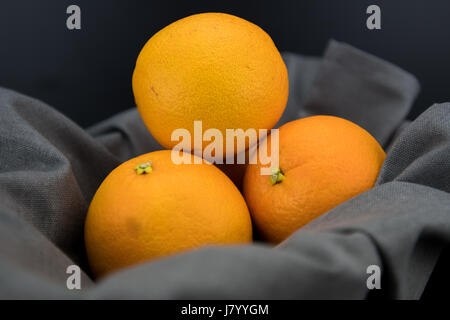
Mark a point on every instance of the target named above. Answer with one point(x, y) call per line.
point(149, 207)
point(323, 161)
point(212, 67)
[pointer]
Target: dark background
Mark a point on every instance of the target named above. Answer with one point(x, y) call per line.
point(86, 73)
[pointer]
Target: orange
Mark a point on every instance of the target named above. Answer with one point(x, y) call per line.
point(213, 67)
point(323, 161)
point(149, 207)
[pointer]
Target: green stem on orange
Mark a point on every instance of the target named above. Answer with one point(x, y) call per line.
point(144, 168)
point(277, 176)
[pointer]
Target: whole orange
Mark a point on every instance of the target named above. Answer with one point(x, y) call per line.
point(212, 67)
point(149, 207)
point(323, 161)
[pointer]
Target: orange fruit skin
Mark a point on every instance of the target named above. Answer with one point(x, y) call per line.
point(325, 160)
point(213, 67)
point(134, 218)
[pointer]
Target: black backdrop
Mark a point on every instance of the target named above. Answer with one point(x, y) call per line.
point(87, 73)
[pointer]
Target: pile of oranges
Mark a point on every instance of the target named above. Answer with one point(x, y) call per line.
point(226, 72)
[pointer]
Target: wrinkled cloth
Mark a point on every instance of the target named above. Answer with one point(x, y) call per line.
point(50, 169)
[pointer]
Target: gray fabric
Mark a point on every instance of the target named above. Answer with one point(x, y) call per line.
point(50, 169)
point(358, 86)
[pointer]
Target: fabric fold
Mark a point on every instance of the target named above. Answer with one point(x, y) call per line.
point(360, 87)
